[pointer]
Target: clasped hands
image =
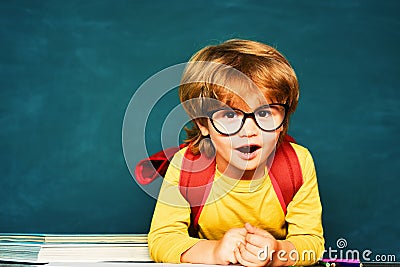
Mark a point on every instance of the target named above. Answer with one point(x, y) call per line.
point(248, 246)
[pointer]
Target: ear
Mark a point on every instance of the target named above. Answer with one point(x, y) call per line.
point(278, 133)
point(203, 129)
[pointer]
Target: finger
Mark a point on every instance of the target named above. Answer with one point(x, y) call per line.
point(253, 249)
point(238, 238)
point(241, 260)
point(249, 258)
point(249, 228)
point(240, 231)
point(241, 239)
point(258, 240)
point(255, 230)
point(237, 232)
point(234, 241)
point(232, 258)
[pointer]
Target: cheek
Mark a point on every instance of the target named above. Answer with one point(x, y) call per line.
point(219, 140)
point(221, 143)
point(269, 142)
point(269, 138)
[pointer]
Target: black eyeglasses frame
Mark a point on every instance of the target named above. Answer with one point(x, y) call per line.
point(248, 115)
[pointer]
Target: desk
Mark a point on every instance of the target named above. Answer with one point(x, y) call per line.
point(126, 264)
point(105, 264)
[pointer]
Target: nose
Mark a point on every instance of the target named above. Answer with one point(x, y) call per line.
point(249, 128)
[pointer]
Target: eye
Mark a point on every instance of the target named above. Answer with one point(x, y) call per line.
point(230, 114)
point(264, 113)
point(227, 115)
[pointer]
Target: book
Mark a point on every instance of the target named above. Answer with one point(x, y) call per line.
point(42, 248)
point(74, 238)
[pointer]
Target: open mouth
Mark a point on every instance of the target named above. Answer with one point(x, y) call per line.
point(248, 149)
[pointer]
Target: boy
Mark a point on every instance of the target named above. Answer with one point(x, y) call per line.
point(239, 95)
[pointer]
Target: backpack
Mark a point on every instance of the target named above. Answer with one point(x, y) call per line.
point(197, 175)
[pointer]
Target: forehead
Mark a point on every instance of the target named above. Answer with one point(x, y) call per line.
point(245, 98)
point(237, 90)
point(248, 102)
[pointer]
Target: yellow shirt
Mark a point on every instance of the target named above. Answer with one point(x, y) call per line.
point(230, 204)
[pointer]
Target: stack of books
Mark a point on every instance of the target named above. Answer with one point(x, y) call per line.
point(46, 248)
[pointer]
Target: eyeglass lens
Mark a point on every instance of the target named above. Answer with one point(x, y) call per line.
point(230, 121)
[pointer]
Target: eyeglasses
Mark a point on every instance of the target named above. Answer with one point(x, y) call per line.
point(229, 121)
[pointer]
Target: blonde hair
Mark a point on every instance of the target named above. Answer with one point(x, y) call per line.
point(212, 71)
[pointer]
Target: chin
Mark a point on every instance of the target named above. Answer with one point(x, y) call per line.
point(250, 166)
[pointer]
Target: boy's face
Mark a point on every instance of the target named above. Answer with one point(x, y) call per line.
point(244, 154)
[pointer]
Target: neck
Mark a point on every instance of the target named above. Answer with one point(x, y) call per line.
point(245, 175)
point(254, 174)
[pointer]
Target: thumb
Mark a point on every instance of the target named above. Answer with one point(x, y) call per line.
point(250, 228)
point(242, 231)
point(257, 231)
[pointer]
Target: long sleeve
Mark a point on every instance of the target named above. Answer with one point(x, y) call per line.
point(304, 214)
point(168, 237)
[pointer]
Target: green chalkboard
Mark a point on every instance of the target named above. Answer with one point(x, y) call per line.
point(68, 70)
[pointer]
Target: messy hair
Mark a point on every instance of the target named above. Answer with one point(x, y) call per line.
point(227, 73)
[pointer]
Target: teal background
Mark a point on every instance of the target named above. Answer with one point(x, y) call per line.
point(68, 70)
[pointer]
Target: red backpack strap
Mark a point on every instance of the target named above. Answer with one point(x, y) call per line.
point(149, 169)
point(285, 173)
point(197, 175)
point(196, 179)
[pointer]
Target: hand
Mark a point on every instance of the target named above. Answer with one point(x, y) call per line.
point(224, 250)
point(258, 249)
